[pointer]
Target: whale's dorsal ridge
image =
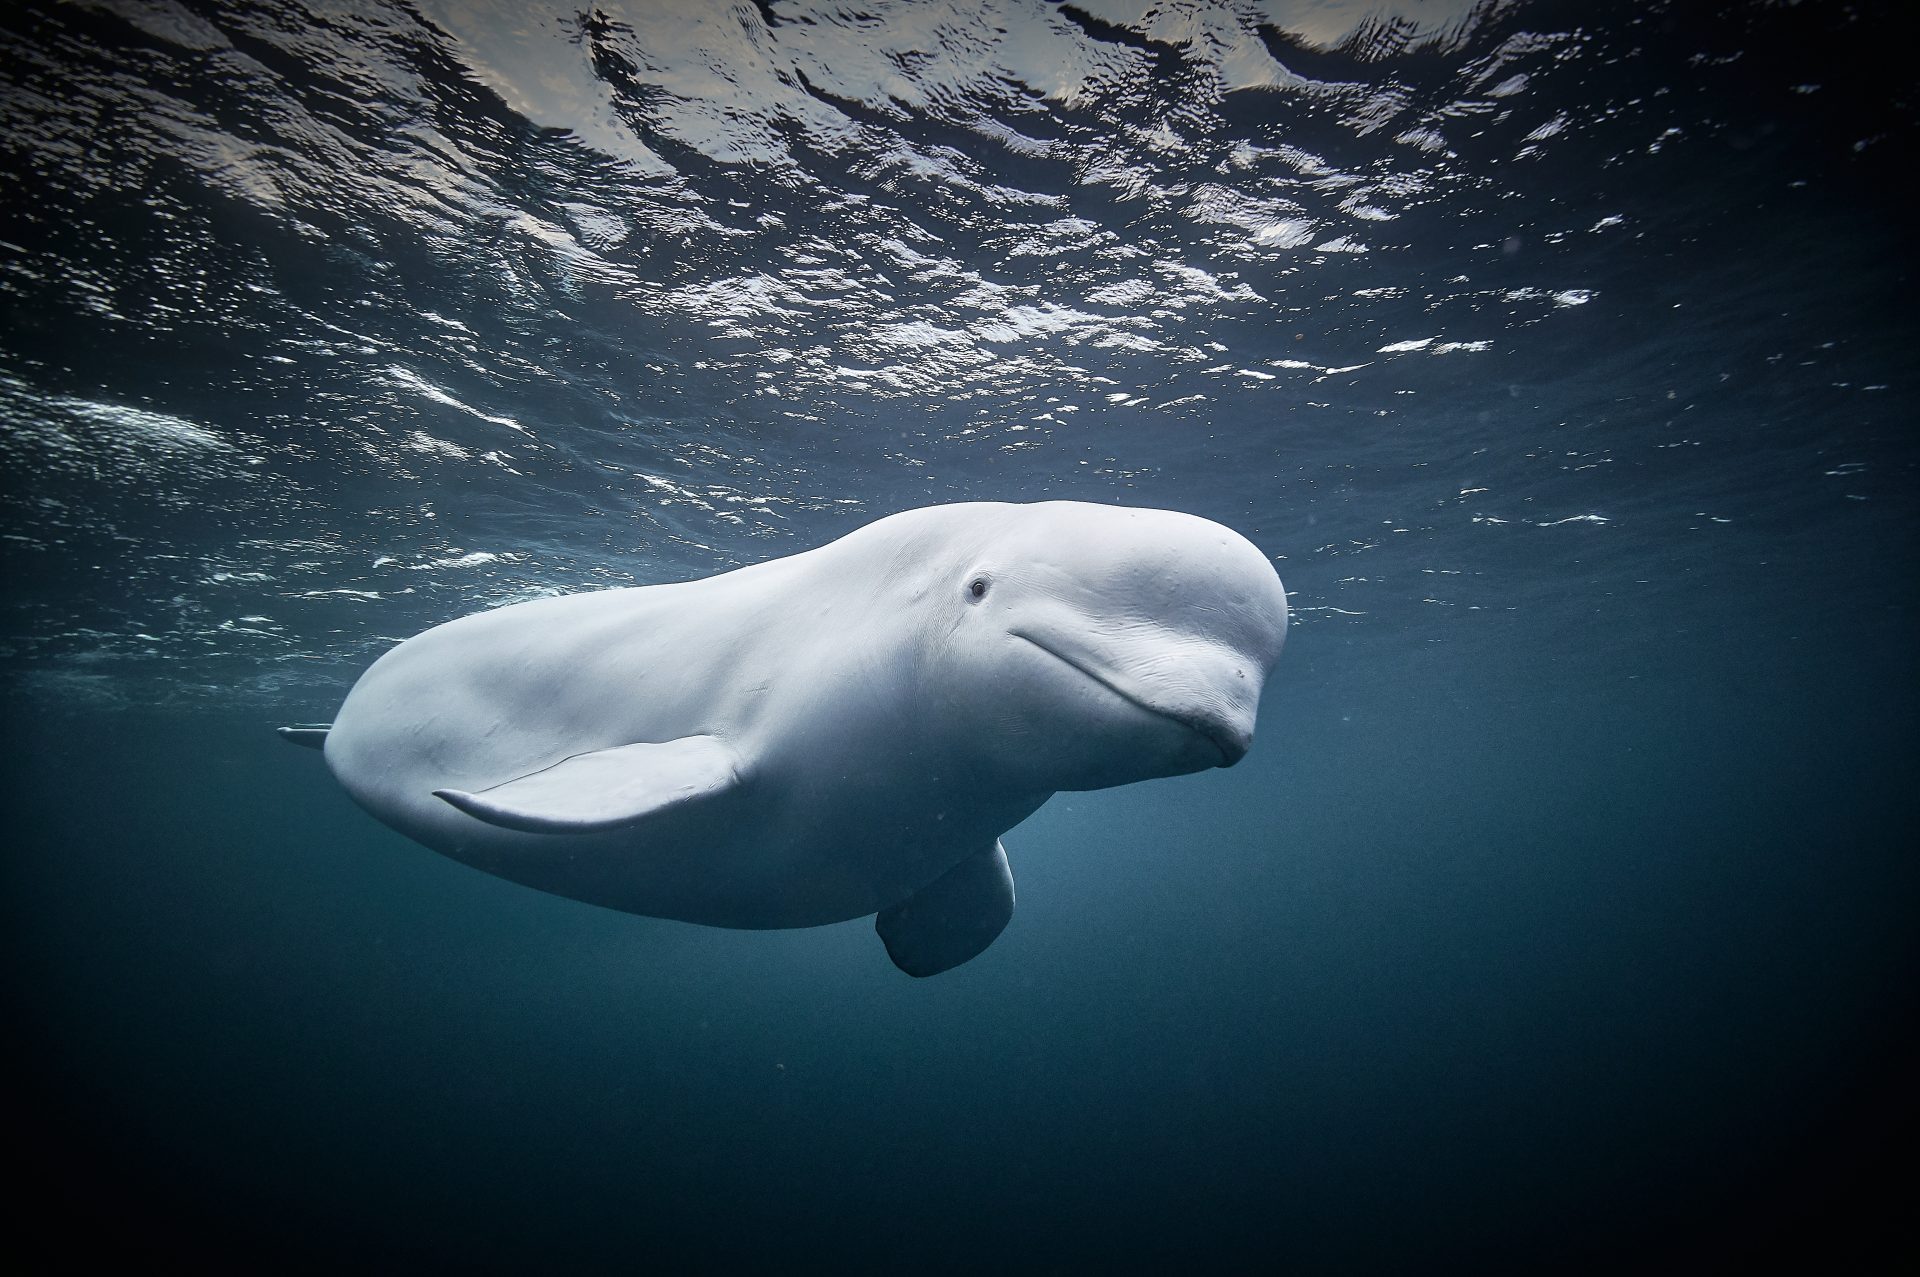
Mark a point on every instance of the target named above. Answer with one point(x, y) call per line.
point(606, 788)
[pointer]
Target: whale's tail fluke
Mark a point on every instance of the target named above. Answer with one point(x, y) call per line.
point(311, 736)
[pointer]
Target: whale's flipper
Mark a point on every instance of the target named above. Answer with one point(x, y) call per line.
point(311, 737)
point(607, 788)
point(953, 918)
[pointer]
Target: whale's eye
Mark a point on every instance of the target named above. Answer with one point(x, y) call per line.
point(978, 590)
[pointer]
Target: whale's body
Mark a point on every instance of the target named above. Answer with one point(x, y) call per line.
point(842, 732)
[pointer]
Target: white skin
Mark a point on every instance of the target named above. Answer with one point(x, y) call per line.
point(892, 702)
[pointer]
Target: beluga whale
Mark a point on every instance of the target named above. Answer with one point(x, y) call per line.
point(842, 732)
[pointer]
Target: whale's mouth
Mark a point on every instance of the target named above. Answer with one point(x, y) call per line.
point(1232, 748)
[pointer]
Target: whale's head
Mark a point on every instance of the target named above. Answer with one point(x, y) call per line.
point(1084, 646)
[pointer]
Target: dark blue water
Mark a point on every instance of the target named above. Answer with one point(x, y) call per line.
point(1561, 356)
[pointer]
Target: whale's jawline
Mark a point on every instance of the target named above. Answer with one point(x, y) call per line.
point(1197, 726)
